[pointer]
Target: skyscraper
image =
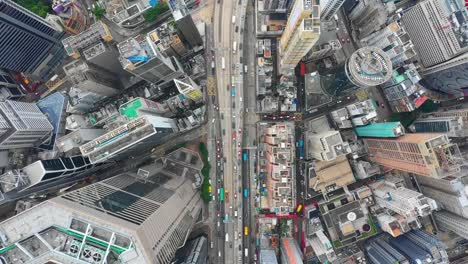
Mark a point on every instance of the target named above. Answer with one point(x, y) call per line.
point(22, 125)
point(330, 8)
point(123, 219)
point(431, 155)
point(144, 128)
point(431, 32)
point(301, 33)
point(36, 51)
point(142, 57)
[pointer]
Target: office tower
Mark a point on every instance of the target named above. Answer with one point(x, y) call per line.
point(403, 90)
point(322, 247)
point(330, 8)
point(105, 56)
point(451, 126)
point(449, 192)
point(395, 41)
point(23, 125)
point(368, 66)
point(74, 45)
point(123, 219)
point(327, 176)
point(381, 130)
point(431, 32)
point(325, 146)
point(280, 170)
point(430, 155)
point(448, 221)
point(37, 50)
point(416, 246)
point(303, 38)
point(189, 30)
point(144, 130)
point(450, 113)
point(368, 16)
point(9, 89)
point(290, 251)
point(300, 10)
point(87, 77)
point(403, 207)
point(142, 57)
point(324, 50)
point(194, 251)
point(450, 77)
point(69, 144)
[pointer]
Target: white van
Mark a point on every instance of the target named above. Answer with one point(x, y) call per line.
point(235, 213)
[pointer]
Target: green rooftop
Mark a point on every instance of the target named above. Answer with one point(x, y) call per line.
point(130, 109)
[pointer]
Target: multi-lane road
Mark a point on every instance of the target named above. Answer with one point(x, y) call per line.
point(227, 27)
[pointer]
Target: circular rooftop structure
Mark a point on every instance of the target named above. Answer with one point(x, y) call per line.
point(369, 66)
point(351, 216)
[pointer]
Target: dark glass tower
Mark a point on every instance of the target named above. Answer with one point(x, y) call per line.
point(28, 44)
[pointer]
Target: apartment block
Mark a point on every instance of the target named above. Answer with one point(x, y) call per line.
point(426, 154)
point(327, 176)
point(280, 168)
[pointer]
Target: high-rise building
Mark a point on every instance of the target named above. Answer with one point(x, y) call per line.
point(88, 77)
point(142, 57)
point(37, 50)
point(381, 130)
point(368, 16)
point(301, 33)
point(416, 246)
point(189, 30)
point(144, 129)
point(329, 8)
point(300, 10)
point(403, 207)
point(194, 251)
point(451, 222)
point(368, 66)
point(395, 41)
point(105, 56)
point(451, 126)
point(449, 192)
point(22, 125)
point(290, 251)
point(431, 32)
point(74, 45)
point(9, 89)
point(426, 154)
point(450, 77)
point(70, 143)
point(189, 88)
point(325, 146)
point(130, 218)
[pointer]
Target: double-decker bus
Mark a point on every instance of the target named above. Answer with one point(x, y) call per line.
point(221, 194)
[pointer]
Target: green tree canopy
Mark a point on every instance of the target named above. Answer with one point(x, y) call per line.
point(153, 13)
point(38, 7)
point(98, 12)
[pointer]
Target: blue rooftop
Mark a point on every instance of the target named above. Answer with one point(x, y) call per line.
point(52, 106)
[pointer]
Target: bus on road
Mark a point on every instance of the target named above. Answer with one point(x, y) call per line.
point(221, 194)
point(244, 156)
point(223, 63)
point(246, 230)
point(246, 192)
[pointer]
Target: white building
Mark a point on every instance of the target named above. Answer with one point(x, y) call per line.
point(22, 125)
point(404, 206)
point(325, 146)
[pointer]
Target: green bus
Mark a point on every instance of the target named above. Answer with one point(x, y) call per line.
point(221, 194)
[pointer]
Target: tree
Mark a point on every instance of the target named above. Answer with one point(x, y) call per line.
point(98, 12)
point(153, 13)
point(38, 7)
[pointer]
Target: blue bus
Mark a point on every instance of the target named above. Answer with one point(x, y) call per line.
point(246, 192)
point(233, 92)
point(301, 148)
point(244, 156)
